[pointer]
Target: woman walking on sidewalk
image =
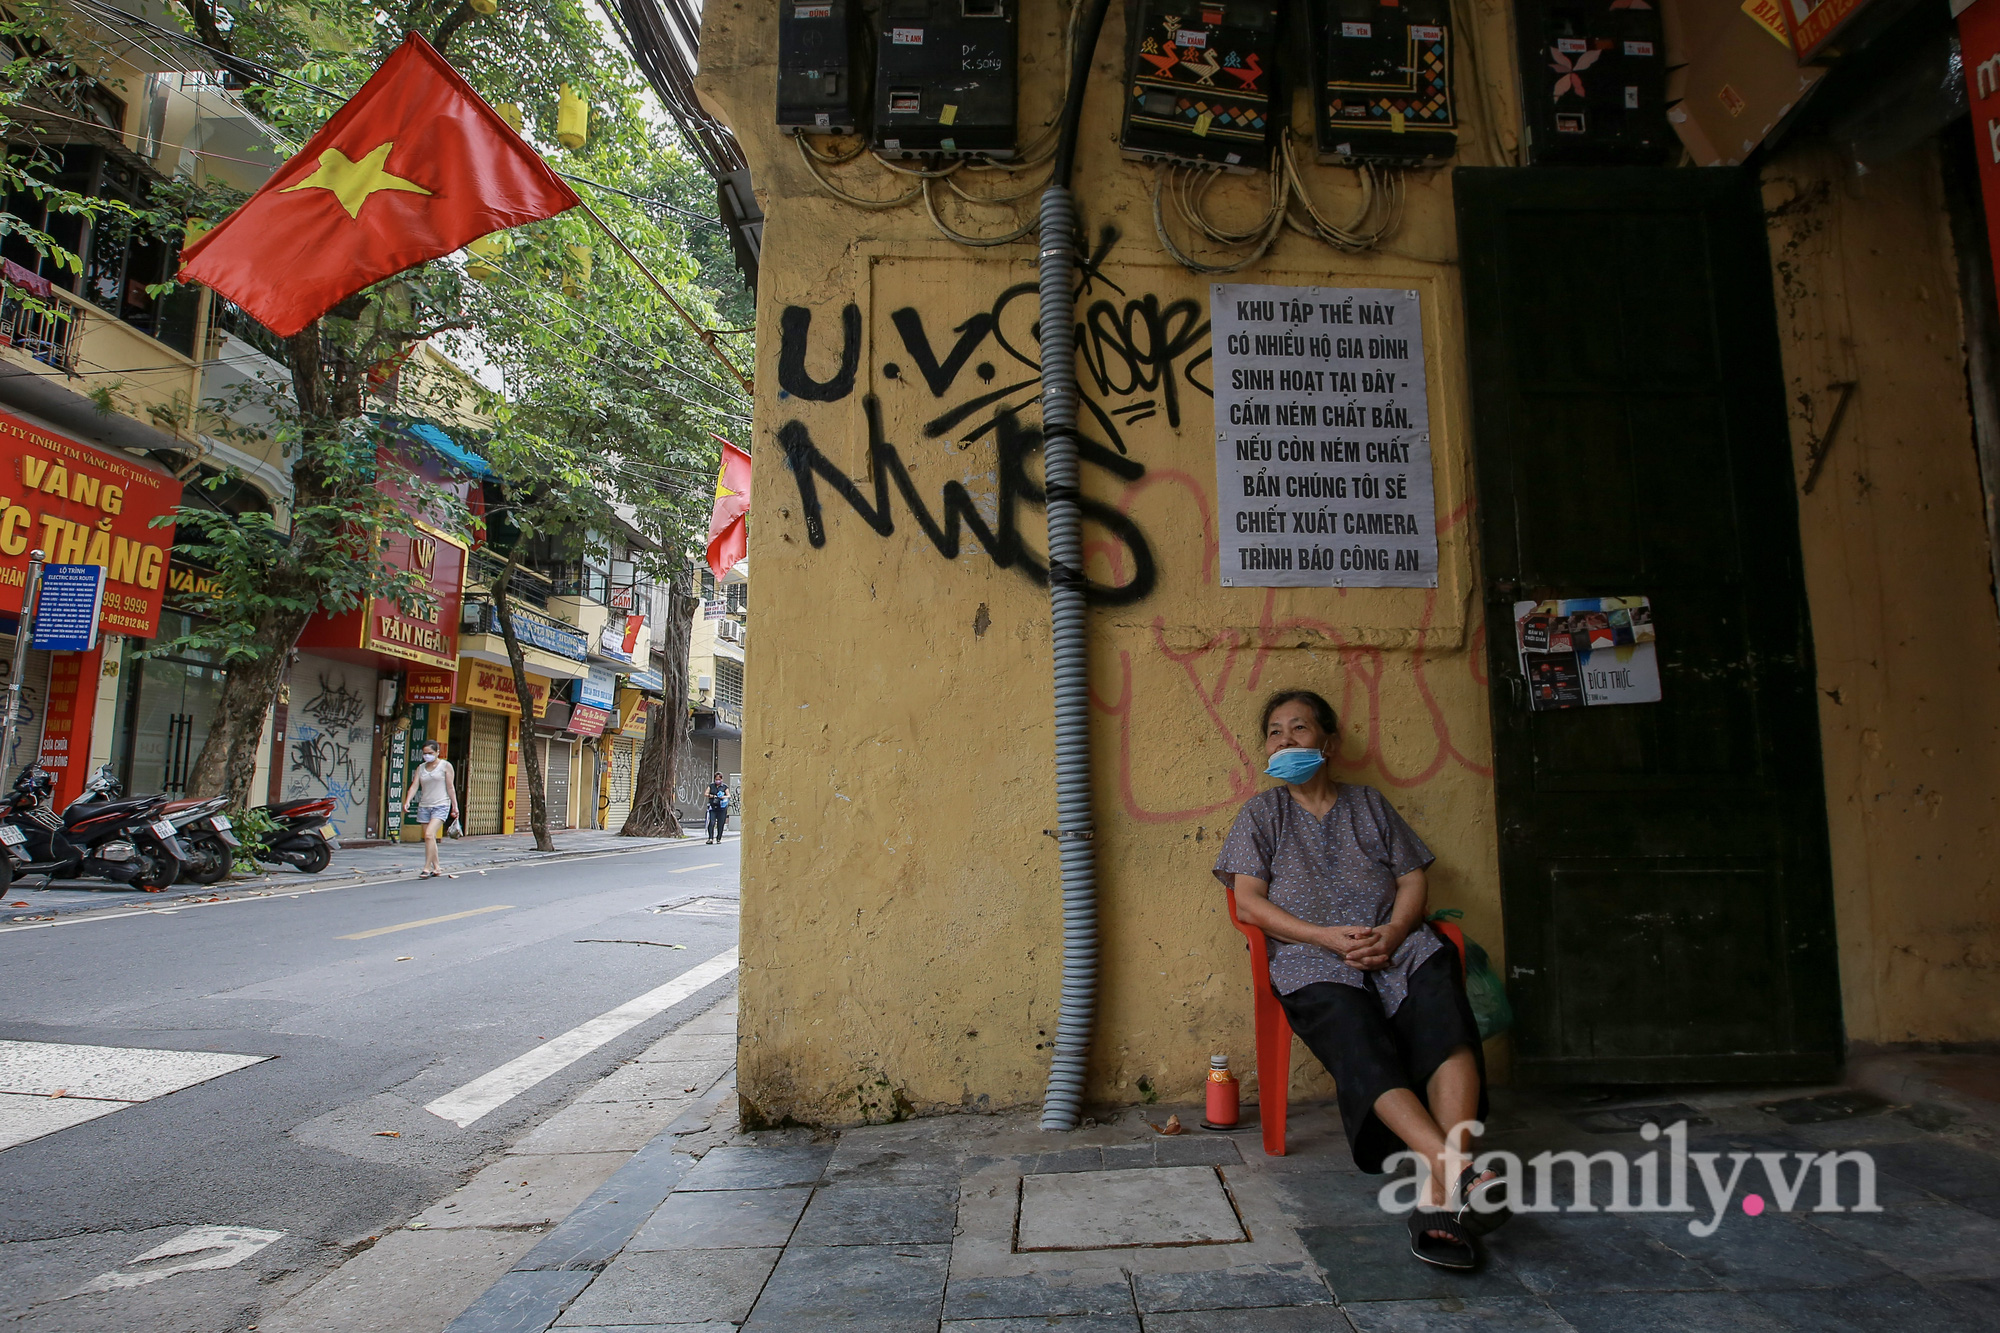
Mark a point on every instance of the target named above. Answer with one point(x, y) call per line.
point(434, 795)
point(1331, 873)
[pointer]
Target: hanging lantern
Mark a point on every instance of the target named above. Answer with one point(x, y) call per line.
point(483, 6)
point(487, 252)
point(511, 113)
point(572, 119)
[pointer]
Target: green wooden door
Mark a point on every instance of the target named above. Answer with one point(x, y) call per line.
point(1663, 866)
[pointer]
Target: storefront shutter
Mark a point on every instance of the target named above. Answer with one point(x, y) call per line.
point(624, 762)
point(486, 773)
point(555, 764)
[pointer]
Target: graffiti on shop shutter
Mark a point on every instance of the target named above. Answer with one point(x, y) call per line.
point(330, 744)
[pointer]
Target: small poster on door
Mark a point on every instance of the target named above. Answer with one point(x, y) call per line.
point(1582, 652)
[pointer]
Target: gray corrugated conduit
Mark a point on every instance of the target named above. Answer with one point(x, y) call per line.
point(1062, 1107)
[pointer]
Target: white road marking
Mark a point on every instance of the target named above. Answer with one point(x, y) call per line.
point(198, 1248)
point(24, 1117)
point(118, 1073)
point(492, 1090)
point(686, 869)
point(427, 921)
point(47, 1086)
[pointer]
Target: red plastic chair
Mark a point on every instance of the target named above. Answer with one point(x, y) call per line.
point(1274, 1037)
point(1274, 1031)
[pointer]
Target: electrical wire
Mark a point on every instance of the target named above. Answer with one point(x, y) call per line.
point(1378, 216)
point(812, 160)
point(39, 112)
point(976, 242)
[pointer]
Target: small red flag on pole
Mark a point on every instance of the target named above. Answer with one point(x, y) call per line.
point(728, 534)
point(413, 167)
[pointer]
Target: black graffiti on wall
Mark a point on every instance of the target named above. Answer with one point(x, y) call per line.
point(958, 514)
point(1138, 357)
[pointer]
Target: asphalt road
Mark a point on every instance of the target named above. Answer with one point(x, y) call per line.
point(365, 1032)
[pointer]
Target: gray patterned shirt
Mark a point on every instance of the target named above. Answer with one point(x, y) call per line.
point(1337, 871)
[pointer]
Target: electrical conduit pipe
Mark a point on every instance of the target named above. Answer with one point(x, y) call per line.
point(1062, 1106)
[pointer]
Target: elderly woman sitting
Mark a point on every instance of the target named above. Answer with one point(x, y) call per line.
point(1331, 873)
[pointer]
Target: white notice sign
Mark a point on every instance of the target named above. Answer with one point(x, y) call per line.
point(1322, 438)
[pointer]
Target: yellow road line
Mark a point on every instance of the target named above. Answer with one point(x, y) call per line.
point(427, 921)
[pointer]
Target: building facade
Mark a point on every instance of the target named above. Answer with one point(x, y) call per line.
point(1754, 394)
point(716, 648)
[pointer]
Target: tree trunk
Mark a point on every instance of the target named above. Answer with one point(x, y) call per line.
point(666, 753)
point(531, 757)
point(228, 760)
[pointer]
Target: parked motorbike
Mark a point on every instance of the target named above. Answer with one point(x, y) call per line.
point(206, 832)
point(97, 836)
point(204, 829)
point(305, 837)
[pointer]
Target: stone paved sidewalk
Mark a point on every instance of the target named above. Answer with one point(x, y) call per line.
point(983, 1224)
point(26, 901)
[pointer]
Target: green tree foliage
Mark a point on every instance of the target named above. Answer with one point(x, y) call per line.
point(596, 381)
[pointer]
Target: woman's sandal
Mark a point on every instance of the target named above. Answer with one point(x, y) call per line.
point(1458, 1253)
point(1479, 1206)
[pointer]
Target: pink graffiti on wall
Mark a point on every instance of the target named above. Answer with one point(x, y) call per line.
point(1232, 660)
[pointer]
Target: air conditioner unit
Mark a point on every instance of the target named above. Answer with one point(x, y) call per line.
point(729, 631)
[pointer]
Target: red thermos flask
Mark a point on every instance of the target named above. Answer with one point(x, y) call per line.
point(1222, 1094)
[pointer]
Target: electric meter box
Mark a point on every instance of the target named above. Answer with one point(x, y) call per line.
point(1381, 76)
point(819, 77)
point(1201, 82)
point(945, 78)
point(1593, 83)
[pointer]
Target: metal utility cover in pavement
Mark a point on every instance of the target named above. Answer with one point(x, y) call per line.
point(1103, 1210)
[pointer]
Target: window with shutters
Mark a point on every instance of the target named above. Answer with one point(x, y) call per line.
point(728, 682)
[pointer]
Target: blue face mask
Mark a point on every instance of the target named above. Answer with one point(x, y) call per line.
point(1295, 765)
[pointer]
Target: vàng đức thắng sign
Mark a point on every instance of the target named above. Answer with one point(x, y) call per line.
point(84, 506)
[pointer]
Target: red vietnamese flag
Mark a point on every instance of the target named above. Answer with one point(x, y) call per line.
point(728, 535)
point(413, 167)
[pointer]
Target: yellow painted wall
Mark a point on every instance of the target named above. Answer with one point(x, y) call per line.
point(901, 919)
point(901, 925)
point(1907, 641)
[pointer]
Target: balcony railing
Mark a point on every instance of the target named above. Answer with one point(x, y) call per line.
point(524, 586)
point(132, 371)
point(46, 336)
point(532, 628)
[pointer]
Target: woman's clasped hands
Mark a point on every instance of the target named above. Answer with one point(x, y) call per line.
point(1366, 948)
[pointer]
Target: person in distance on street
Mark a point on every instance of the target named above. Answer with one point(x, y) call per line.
point(718, 809)
point(1331, 873)
point(434, 796)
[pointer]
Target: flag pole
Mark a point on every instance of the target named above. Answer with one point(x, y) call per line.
point(707, 336)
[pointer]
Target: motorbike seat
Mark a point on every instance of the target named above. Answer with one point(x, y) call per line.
point(282, 809)
point(82, 810)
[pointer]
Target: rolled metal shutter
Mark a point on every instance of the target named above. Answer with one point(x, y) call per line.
point(486, 773)
point(555, 766)
point(624, 763)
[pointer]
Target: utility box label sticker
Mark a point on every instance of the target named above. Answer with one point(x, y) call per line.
point(1322, 438)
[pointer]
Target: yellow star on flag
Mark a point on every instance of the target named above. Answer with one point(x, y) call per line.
point(721, 490)
point(352, 182)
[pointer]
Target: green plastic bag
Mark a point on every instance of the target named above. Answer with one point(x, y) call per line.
point(1483, 987)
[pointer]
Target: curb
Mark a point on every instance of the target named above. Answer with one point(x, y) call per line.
point(275, 888)
point(535, 1292)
